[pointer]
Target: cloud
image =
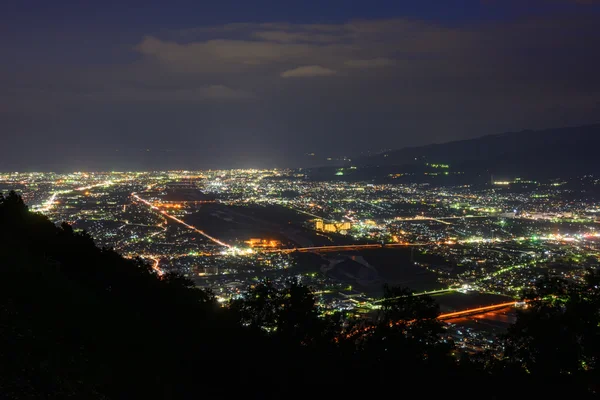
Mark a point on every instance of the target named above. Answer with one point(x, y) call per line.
point(246, 47)
point(236, 47)
point(222, 55)
point(308, 71)
point(296, 37)
point(372, 63)
point(394, 60)
point(391, 83)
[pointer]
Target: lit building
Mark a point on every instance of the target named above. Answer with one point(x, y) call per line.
point(319, 224)
point(332, 226)
point(263, 243)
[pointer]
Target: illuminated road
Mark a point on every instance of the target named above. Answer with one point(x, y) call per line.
point(439, 291)
point(49, 204)
point(156, 268)
point(193, 228)
point(96, 185)
point(448, 316)
point(475, 311)
point(351, 247)
point(344, 247)
point(419, 218)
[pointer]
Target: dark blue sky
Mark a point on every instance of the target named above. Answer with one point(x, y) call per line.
point(259, 83)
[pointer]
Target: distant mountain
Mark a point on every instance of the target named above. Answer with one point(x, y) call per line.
point(547, 153)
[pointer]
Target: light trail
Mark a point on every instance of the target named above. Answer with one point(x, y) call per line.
point(419, 218)
point(343, 247)
point(477, 310)
point(95, 185)
point(47, 206)
point(191, 227)
point(417, 294)
point(156, 268)
point(443, 317)
point(370, 204)
point(306, 212)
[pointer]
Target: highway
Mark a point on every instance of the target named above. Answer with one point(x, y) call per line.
point(419, 218)
point(441, 220)
point(191, 227)
point(49, 204)
point(352, 247)
point(475, 311)
point(343, 247)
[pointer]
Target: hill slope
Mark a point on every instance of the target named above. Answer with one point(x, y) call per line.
point(547, 153)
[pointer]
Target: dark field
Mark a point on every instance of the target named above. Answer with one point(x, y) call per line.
point(390, 266)
point(235, 225)
point(395, 268)
point(492, 322)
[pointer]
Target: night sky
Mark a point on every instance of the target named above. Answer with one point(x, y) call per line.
point(114, 85)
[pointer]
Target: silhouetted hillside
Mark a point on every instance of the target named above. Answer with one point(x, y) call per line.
point(547, 153)
point(79, 322)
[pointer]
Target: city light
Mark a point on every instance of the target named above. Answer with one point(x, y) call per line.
point(230, 229)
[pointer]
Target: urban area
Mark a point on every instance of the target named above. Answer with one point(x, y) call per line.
point(475, 248)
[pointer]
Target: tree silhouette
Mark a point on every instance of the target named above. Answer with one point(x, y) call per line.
point(557, 335)
point(407, 327)
point(289, 314)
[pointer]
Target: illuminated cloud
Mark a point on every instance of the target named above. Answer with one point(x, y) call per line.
point(296, 37)
point(233, 47)
point(308, 71)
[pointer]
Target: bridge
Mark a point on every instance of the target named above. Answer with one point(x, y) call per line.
point(342, 247)
point(476, 311)
point(352, 247)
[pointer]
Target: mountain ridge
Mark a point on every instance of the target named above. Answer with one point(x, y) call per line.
point(558, 151)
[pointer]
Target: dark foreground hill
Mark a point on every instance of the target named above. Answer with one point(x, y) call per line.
point(80, 322)
point(537, 154)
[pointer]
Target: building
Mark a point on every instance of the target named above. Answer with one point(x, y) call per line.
point(334, 227)
point(263, 243)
